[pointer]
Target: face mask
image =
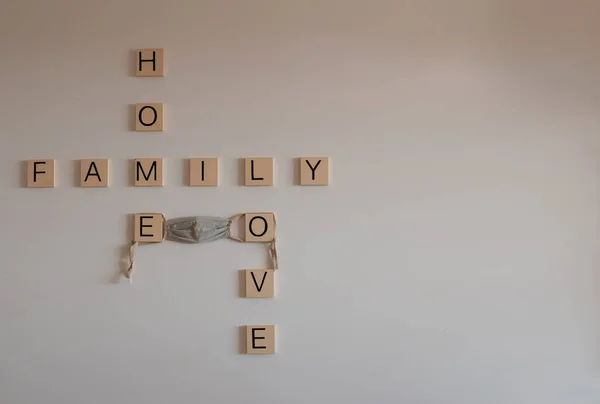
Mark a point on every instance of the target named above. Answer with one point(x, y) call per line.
point(203, 229)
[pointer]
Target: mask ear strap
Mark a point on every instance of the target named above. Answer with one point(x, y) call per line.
point(273, 254)
point(134, 245)
point(273, 246)
point(232, 219)
point(132, 249)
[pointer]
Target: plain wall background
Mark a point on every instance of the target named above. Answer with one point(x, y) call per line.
point(454, 258)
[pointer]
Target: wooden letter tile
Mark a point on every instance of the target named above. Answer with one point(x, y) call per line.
point(314, 171)
point(259, 171)
point(260, 339)
point(148, 172)
point(40, 174)
point(149, 62)
point(260, 227)
point(260, 283)
point(148, 228)
point(149, 117)
point(204, 172)
point(94, 173)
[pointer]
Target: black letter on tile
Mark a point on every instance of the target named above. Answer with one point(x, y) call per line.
point(252, 221)
point(259, 288)
point(155, 116)
point(254, 338)
point(142, 225)
point(313, 169)
point(139, 168)
point(252, 171)
point(95, 174)
point(35, 171)
point(153, 60)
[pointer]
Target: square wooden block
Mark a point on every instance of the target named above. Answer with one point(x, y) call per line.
point(149, 117)
point(40, 174)
point(258, 171)
point(148, 172)
point(204, 172)
point(260, 283)
point(94, 173)
point(314, 171)
point(149, 62)
point(260, 227)
point(148, 227)
point(260, 339)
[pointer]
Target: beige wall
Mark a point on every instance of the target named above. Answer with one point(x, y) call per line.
point(453, 259)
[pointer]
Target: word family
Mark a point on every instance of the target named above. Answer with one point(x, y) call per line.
point(201, 172)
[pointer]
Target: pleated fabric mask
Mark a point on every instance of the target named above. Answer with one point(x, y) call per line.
point(199, 229)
